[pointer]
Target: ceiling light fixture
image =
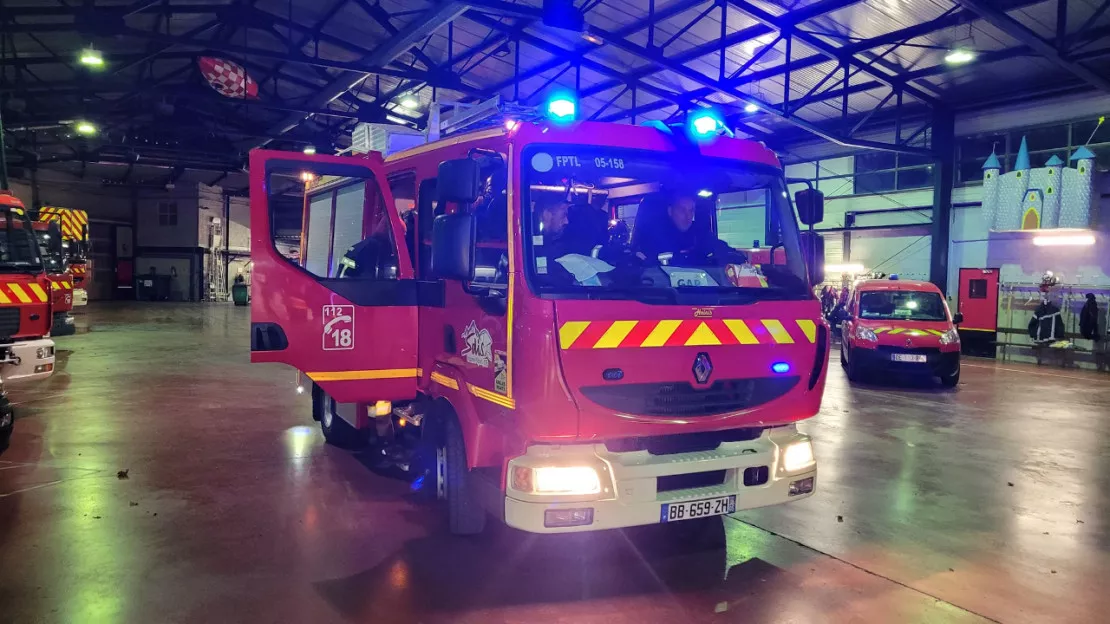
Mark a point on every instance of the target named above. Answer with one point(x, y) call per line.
point(85, 128)
point(959, 56)
point(309, 150)
point(409, 103)
point(91, 57)
point(751, 108)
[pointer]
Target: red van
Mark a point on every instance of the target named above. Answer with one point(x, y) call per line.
point(900, 326)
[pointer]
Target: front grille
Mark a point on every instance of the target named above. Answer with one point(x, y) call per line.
point(671, 483)
point(9, 322)
point(682, 442)
point(683, 399)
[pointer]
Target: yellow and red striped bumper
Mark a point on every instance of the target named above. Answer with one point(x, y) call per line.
point(684, 333)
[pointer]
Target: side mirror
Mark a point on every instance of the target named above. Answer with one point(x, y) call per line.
point(813, 250)
point(459, 181)
point(957, 318)
point(453, 247)
point(811, 206)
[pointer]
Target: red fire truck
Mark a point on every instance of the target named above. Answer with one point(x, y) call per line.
point(61, 278)
point(501, 313)
point(26, 351)
point(74, 225)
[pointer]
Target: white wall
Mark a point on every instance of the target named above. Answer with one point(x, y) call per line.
point(59, 189)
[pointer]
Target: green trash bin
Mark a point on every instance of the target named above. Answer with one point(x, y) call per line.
point(240, 294)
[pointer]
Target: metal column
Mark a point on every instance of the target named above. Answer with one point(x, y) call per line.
point(944, 170)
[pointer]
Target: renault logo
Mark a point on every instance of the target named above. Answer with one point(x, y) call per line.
point(702, 368)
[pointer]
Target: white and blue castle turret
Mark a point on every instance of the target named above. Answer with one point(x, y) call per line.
point(1046, 197)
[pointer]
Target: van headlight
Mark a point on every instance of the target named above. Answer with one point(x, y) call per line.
point(45, 352)
point(556, 480)
point(950, 336)
point(798, 456)
point(865, 334)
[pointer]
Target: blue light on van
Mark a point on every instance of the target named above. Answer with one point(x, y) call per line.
point(780, 367)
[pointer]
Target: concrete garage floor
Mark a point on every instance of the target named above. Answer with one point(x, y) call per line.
point(984, 503)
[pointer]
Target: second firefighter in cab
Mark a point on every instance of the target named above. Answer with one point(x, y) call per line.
point(896, 326)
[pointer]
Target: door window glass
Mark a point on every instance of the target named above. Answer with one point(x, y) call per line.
point(349, 207)
point(403, 189)
point(977, 289)
point(318, 233)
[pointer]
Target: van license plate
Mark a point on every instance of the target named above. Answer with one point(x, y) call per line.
point(908, 357)
point(673, 512)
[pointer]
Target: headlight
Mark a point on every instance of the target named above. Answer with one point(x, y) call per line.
point(45, 352)
point(950, 337)
point(568, 480)
point(863, 333)
point(798, 456)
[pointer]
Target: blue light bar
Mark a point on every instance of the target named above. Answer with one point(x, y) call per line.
point(780, 367)
point(704, 124)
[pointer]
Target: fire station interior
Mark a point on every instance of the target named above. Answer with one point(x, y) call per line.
point(415, 311)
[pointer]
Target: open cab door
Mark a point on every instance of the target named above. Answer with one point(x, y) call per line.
point(331, 294)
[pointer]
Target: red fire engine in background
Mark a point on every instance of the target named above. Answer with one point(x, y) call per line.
point(442, 316)
point(49, 237)
point(26, 351)
point(74, 225)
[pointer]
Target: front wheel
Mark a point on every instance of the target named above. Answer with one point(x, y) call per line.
point(465, 515)
point(7, 421)
point(337, 432)
point(855, 371)
point(951, 381)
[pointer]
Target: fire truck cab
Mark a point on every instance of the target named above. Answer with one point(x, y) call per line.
point(902, 327)
point(74, 225)
point(517, 317)
point(26, 350)
point(49, 236)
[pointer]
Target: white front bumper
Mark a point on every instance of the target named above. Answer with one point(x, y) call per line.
point(80, 297)
point(633, 499)
point(23, 362)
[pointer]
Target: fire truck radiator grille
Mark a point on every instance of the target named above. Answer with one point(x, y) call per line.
point(682, 442)
point(9, 322)
point(683, 399)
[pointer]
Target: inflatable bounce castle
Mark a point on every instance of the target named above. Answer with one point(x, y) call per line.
point(1052, 196)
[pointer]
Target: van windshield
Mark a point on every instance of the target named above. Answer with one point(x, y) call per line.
point(607, 223)
point(901, 305)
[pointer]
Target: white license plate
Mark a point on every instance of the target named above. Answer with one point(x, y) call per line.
point(907, 357)
point(673, 512)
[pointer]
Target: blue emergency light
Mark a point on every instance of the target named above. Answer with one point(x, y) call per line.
point(561, 108)
point(704, 124)
point(780, 367)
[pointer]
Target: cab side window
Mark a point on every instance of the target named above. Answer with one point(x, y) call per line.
point(403, 188)
point(491, 253)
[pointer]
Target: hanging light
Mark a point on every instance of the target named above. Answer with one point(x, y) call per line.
point(91, 57)
point(309, 150)
point(959, 56)
point(84, 127)
point(751, 108)
point(410, 103)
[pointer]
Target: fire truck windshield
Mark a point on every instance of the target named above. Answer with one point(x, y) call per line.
point(19, 250)
point(660, 228)
point(50, 248)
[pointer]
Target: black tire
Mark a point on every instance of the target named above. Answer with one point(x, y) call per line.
point(855, 372)
point(465, 515)
point(7, 422)
point(951, 381)
point(337, 432)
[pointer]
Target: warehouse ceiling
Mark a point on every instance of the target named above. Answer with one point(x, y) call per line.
point(782, 72)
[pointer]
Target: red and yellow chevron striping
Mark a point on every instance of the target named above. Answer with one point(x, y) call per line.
point(907, 331)
point(66, 285)
point(684, 333)
point(78, 269)
point(16, 293)
point(71, 222)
